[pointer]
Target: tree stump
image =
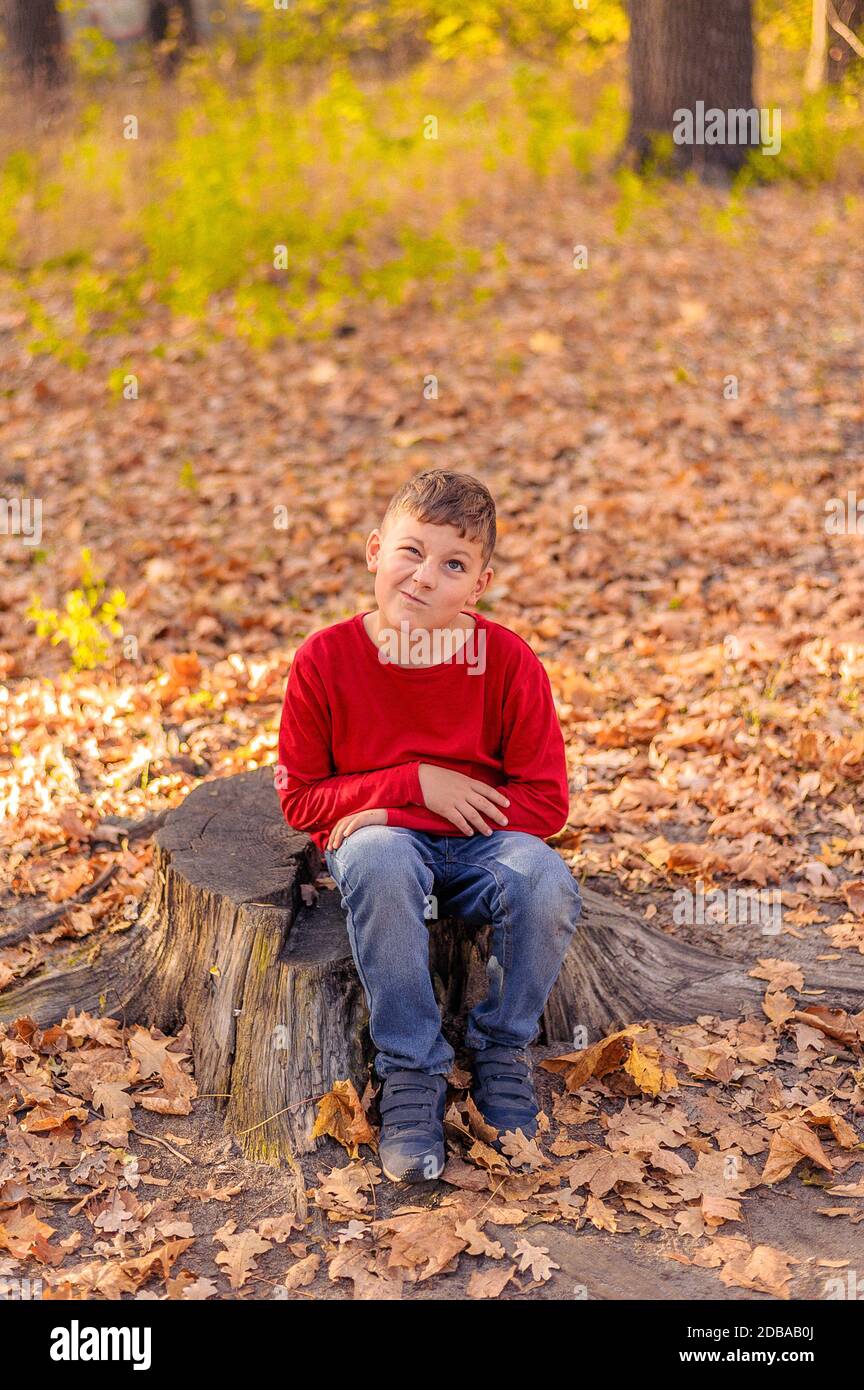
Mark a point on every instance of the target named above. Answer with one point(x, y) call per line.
point(227, 942)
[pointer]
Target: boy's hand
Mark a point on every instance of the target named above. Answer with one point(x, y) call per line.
point(460, 799)
point(348, 824)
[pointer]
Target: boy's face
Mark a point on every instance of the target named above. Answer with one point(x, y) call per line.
point(443, 569)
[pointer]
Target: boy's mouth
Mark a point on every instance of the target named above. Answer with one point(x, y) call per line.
point(412, 598)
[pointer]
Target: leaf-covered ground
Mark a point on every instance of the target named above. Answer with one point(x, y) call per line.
point(691, 400)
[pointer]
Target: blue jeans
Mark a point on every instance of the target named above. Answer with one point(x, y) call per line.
point(516, 882)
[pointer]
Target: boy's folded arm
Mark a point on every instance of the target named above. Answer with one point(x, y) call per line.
point(318, 804)
point(311, 795)
point(534, 763)
point(533, 755)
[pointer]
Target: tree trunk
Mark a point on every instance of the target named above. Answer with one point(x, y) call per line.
point(814, 73)
point(845, 36)
point(684, 52)
point(228, 943)
point(172, 27)
point(35, 39)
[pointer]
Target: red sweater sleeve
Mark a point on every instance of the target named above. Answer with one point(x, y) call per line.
point(534, 759)
point(311, 796)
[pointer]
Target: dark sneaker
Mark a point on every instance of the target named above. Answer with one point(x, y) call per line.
point(411, 1144)
point(503, 1089)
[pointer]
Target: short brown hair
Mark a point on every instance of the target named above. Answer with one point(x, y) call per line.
point(449, 499)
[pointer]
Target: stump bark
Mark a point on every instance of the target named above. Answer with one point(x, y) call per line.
point(228, 942)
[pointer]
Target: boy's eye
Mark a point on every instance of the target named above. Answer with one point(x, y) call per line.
point(417, 552)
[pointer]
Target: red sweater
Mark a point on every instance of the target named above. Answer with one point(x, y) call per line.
point(355, 730)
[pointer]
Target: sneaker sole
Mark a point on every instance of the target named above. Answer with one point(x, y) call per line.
point(416, 1174)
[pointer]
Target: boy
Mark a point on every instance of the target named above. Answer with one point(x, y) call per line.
point(420, 748)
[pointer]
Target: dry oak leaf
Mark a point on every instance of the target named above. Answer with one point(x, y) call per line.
point(119, 1212)
point(600, 1216)
point(782, 974)
point(617, 1051)
point(600, 1170)
point(341, 1115)
point(177, 1226)
point(423, 1243)
point(240, 1253)
point(765, 1269)
point(846, 1028)
point(112, 1098)
point(534, 1258)
point(303, 1272)
point(488, 1158)
point(720, 1251)
point(190, 1288)
point(522, 1151)
point(488, 1283)
point(151, 1052)
point(847, 1189)
point(505, 1216)
point(183, 671)
point(176, 1100)
point(478, 1242)
point(84, 1027)
point(213, 1193)
point(50, 1041)
point(68, 883)
point(778, 1007)
point(152, 1055)
point(21, 1231)
point(369, 1282)
point(855, 896)
point(793, 1141)
point(107, 1279)
point(279, 1228)
point(716, 1209)
point(598, 1059)
point(163, 1255)
point(480, 1128)
point(54, 1116)
point(846, 936)
point(464, 1176)
point(643, 1130)
point(821, 1113)
point(343, 1191)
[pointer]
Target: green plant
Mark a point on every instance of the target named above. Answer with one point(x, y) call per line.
point(16, 177)
point(86, 618)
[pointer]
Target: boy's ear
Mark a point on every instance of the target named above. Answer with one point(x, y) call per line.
point(483, 582)
point(373, 549)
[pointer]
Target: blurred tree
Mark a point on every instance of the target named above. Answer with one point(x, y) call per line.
point(846, 23)
point(173, 27)
point(835, 41)
point(814, 73)
point(683, 52)
point(35, 38)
